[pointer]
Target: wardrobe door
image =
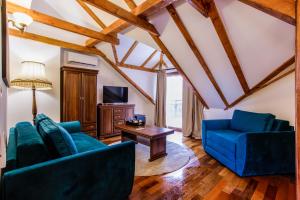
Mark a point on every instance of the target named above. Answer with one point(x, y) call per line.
point(71, 95)
point(89, 100)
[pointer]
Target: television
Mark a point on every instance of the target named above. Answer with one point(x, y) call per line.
point(112, 94)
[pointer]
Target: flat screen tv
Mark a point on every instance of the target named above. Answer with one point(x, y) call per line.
point(112, 94)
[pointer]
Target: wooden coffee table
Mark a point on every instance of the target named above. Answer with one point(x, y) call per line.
point(152, 136)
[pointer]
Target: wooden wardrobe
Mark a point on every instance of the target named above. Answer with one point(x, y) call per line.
point(79, 97)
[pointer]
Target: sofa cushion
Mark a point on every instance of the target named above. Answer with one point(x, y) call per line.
point(11, 152)
point(84, 142)
point(224, 142)
point(63, 142)
point(57, 139)
point(251, 122)
point(30, 146)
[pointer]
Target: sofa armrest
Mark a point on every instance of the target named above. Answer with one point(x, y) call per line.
point(71, 127)
point(217, 124)
point(106, 173)
point(265, 153)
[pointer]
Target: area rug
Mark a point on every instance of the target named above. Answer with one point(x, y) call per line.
point(178, 156)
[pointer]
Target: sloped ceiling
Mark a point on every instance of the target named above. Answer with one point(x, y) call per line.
point(261, 42)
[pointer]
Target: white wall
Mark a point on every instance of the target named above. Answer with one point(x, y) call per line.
point(3, 115)
point(48, 102)
point(20, 101)
point(278, 99)
point(110, 77)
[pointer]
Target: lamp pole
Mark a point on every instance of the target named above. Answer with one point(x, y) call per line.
point(34, 107)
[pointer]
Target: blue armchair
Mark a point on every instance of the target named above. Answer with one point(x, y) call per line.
point(251, 144)
point(96, 171)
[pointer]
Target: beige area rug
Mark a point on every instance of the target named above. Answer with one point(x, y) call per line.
point(178, 156)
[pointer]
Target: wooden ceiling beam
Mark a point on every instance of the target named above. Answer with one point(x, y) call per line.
point(200, 6)
point(221, 31)
point(130, 50)
point(263, 82)
point(178, 68)
point(79, 48)
point(156, 65)
point(281, 9)
point(130, 3)
point(115, 53)
point(61, 24)
point(91, 14)
point(149, 58)
point(119, 25)
point(188, 38)
point(134, 67)
point(121, 13)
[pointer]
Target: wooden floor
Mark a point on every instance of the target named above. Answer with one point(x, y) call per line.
point(205, 178)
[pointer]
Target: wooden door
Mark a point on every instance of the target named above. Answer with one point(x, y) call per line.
point(106, 124)
point(71, 95)
point(89, 98)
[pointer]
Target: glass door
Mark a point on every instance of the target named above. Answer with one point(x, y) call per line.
point(174, 101)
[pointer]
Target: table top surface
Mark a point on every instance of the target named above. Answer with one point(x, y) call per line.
point(146, 131)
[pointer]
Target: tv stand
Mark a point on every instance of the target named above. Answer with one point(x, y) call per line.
point(110, 115)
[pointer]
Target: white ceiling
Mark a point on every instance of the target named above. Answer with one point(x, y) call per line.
point(261, 42)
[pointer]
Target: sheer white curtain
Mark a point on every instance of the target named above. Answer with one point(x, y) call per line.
point(192, 113)
point(161, 96)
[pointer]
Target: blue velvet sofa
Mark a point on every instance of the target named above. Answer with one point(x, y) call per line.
point(39, 166)
point(251, 144)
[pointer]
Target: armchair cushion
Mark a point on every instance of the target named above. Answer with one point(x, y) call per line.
point(224, 141)
point(251, 122)
point(281, 125)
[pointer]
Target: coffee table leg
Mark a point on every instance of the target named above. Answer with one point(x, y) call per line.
point(158, 148)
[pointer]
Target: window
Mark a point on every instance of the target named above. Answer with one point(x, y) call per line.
point(174, 101)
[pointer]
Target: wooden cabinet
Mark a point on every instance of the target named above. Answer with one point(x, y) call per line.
point(79, 97)
point(110, 115)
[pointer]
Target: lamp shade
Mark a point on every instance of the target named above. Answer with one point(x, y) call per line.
point(32, 76)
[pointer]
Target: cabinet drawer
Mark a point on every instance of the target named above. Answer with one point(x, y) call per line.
point(119, 111)
point(89, 127)
point(119, 116)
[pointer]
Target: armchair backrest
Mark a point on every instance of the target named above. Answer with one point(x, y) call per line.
point(244, 121)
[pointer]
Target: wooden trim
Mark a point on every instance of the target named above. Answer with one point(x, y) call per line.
point(200, 6)
point(259, 85)
point(179, 69)
point(4, 45)
point(115, 53)
point(188, 38)
point(130, 3)
point(281, 9)
point(58, 23)
point(297, 100)
point(278, 78)
point(82, 49)
point(120, 25)
point(134, 67)
point(121, 13)
point(91, 14)
point(89, 71)
point(149, 58)
point(130, 50)
point(221, 31)
point(161, 61)
point(156, 65)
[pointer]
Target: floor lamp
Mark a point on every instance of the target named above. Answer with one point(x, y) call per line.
point(32, 77)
